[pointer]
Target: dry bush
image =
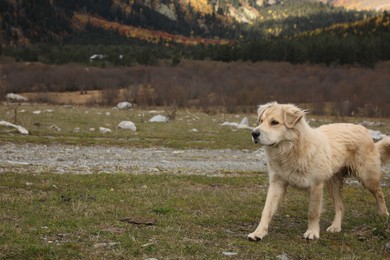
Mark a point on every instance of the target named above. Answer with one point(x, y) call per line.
point(207, 84)
point(110, 96)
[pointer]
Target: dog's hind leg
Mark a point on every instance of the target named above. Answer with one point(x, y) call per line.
point(371, 181)
point(335, 185)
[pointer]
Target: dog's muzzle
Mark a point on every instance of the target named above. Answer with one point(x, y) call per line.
point(255, 136)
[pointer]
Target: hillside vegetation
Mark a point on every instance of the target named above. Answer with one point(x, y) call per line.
point(127, 33)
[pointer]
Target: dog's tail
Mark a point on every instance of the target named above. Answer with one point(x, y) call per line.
point(383, 147)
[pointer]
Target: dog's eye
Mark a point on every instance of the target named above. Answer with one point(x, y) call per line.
point(261, 121)
point(274, 122)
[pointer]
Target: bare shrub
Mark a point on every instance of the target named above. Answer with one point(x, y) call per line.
point(110, 96)
point(207, 84)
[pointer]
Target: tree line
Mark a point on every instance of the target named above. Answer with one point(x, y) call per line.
point(363, 48)
point(290, 32)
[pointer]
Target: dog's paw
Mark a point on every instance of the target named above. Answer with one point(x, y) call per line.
point(256, 236)
point(383, 213)
point(311, 234)
point(333, 229)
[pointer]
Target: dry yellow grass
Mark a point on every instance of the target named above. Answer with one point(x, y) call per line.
point(71, 97)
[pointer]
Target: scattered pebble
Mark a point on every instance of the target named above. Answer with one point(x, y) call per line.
point(38, 158)
point(387, 247)
point(55, 128)
point(124, 105)
point(127, 125)
point(111, 244)
point(104, 130)
point(229, 253)
point(159, 119)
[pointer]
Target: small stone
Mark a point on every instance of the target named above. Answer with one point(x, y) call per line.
point(159, 119)
point(124, 105)
point(229, 253)
point(127, 125)
point(387, 247)
point(104, 130)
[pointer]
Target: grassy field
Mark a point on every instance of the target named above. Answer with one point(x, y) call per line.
point(178, 133)
point(122, 216)
point(125, 216)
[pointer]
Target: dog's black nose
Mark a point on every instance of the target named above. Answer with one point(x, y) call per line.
point(255, 134)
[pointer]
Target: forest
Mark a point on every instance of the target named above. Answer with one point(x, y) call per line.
point(294, 32)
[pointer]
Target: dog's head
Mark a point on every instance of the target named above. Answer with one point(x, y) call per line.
point(276, 123)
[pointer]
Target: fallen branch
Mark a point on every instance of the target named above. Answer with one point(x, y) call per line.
point(147, 222)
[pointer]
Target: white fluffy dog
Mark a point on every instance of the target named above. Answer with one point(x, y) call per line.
point(308, 158)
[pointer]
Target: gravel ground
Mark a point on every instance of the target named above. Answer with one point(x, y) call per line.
point(35, 158)
point(58, 158)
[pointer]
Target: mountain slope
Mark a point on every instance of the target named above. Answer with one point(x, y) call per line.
point(363, 4)
point(81, 20)
point(25, 22)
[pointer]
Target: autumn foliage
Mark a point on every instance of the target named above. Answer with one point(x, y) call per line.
point(81, 20)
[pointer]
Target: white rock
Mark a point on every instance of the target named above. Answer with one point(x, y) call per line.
point(229, 253)
point(376, 135)
point(283, 256)
point(127, 125)
point(159, 119)
point(155, 111)
point(20, 129)
point(15, 97)
point(92, 129)
point(124, 105)
point(37, 112)
point(104, 130)
point(56, 128)
point(229, 124)
point(108, 114)
point(244, 123)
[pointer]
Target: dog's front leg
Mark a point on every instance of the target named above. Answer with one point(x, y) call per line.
point(313, 230)
point(275, 193)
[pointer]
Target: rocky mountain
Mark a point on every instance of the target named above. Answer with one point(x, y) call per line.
point(181, 21)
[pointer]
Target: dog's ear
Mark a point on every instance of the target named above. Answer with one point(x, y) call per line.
point(292, 115)
point(261, 109)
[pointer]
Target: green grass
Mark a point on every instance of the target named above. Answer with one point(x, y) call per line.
point(82, 216)
point(176, 134)
point(69, 216)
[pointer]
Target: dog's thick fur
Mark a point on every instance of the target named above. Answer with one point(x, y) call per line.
point(310, 158)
